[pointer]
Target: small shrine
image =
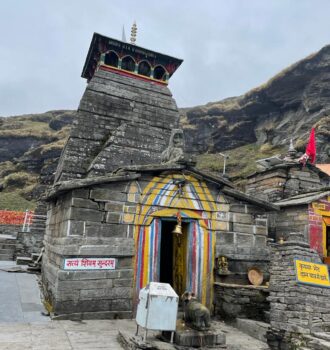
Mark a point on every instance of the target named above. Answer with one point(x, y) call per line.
point(302, 191)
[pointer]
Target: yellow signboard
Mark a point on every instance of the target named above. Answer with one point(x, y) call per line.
point(310, 273)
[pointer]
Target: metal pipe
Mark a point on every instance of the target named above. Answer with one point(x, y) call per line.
point(25, 219)
point(225, 156)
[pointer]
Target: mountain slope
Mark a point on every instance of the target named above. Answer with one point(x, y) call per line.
point(252, 126)
point(285, 107)
point(30, 146)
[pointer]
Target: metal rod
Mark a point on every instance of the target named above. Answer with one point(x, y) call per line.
point(225, 156)
point(25, 218)
point(172, 337)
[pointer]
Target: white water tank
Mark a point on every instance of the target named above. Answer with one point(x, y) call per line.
point(157, 307)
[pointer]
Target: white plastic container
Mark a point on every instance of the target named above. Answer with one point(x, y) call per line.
point(157, 307)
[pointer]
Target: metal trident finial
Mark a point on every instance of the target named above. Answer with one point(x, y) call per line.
point(133, 33)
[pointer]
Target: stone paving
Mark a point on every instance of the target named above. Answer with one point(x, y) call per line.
point(19, 296)
point(92, 334)
point(22, 327)
point(63, 335)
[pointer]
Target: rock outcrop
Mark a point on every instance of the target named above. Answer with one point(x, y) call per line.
point(287, 106)
point(30, 146)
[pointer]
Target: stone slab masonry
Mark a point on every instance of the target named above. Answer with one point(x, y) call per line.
point(120, 121)
point(297, 310)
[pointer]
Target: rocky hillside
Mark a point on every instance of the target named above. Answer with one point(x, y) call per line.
point(252, 126)
point(285, 107)
point(30, 146)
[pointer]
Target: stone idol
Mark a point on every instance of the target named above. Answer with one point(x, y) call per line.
point(175, 150)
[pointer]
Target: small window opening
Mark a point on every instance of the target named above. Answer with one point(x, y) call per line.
point(128, 64)
point(111, 59)
point(144, 68)
point(159, 73)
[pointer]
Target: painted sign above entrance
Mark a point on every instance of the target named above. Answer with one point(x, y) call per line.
point(310, 273)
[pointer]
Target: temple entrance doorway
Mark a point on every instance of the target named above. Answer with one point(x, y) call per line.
point(173, 256)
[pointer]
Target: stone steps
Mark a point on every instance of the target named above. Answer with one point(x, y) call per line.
point(37, 229)
point(316, 343)
point(322, 335)
point(6, 257)
point(22, 260)
point(7, 251)
point(7, 247)
point(6, 236)
point(255, 329)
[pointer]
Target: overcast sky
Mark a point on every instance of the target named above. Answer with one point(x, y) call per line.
point(228, 46)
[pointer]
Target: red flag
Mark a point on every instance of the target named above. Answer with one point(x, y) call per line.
point(310, 153)
point(311, 147)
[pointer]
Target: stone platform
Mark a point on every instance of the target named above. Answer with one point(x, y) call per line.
point(184, 338)
point(188, 337)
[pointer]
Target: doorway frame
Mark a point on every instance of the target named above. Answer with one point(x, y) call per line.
point(163, 198)
point(200, 274)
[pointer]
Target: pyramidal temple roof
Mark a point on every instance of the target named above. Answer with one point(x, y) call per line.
point(127, 111)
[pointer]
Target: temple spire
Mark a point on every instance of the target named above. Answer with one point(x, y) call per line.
point(123, 35)
point(133, 33)
point(292, 152)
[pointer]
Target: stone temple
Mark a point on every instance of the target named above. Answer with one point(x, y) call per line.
point(126, 114)
point(123, 184)
point(128, 207)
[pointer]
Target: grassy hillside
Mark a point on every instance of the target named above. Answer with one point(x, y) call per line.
point(29, 146)
point(20, 177)
point(241, 161)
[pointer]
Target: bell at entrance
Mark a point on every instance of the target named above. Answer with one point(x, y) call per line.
point(173, 254)
point(177, 230)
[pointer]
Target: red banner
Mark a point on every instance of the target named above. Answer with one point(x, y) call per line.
point(9, 217)
point(311, 147)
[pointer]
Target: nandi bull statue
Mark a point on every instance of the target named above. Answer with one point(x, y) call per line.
point(195, 314)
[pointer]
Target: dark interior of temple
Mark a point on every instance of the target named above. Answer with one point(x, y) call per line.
point(166, 252)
